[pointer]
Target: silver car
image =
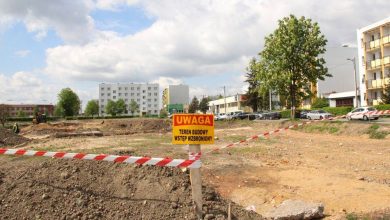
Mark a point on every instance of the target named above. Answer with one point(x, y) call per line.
point(318, 114)
point(365, 113)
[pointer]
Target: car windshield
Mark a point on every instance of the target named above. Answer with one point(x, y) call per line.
point(322, 111)
point(371, 109)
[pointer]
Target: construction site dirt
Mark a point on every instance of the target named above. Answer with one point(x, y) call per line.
point(336, 163)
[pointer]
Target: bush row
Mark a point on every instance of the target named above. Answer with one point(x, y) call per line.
point(383, 107)
point(54, 118)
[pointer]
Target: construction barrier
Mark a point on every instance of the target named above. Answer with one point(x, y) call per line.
point(168, 162)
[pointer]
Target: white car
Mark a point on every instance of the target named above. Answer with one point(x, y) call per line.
point(365, 113)
point(318, 114)
point(220, 116)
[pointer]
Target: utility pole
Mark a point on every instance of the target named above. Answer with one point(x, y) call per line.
point(270, 100)
point(354, 76)
point(224, 95)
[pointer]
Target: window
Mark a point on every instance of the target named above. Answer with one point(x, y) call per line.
point(102, 88)
point(143, 103)
point(114, 97)
point(137, 94)
point(119, 94)
point(375, 76)
point(155, 105)
point(373, 56)
point(108, 88)
point(126, 100)
point(132, 94)
point(143, 91)
point(108, 94)
point(375, 95)
point(155, 100)
point(102, 100)
point(149, 105)
point(155, 111)
point(149, 88)
point(102, 94)
point(372, 37)
point(155, 93)
point(126, 88)
point(138, 88)
point(102, 106)
point(138, 100)
point(114, 91)
point(119, 88)
point(125, 94)
point(155, 88)
point(149, 100)
point(132, 88)
point(144, 97)
point(149, 94)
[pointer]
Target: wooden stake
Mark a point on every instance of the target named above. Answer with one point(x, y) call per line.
point(196, 183)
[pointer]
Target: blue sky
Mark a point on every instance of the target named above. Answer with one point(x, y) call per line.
point(47, 45)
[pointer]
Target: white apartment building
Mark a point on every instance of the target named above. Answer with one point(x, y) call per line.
point(374, 61)
point(233, 104)
point(176, 94)
point(146, 95)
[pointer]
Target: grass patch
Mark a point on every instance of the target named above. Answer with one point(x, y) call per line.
point(234, 138)
point(248, 150)
point(327, 127)
point(373, 132)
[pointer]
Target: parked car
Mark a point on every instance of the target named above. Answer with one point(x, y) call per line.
point(365, 113)
point(230, 115)
point(318, 114)
point(269, 115)
point(303, 113)
point(244, 115)
point(220, 116)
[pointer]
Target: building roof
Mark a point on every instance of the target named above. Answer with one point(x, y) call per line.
point(374, 25)
point(339, 95)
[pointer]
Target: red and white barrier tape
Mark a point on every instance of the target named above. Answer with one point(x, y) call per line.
point(265, 134)
point(195, 163)
point(381, 112)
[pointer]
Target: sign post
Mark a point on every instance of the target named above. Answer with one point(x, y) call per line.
point(194, 130)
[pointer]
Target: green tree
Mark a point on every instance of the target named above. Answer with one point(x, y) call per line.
point(320, 103)
point(291, 59)
point(386, 95)
point(36, 110)
point(92, 108)
point(111, 108)
point(252, 94)
point(22, 114)
point(69, 102)
point(4, 114)
point(204, 105)
point(163, 113)
point(194, 105)
point(133, 107)
point(58, 111)
point(120, 107)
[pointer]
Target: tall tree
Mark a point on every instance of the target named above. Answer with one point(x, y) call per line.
point(194, 105)
point(204, 105)
point(4, 114)
point(92, 108)
point(133, 107)
point(111, 108)
point(252, 95)
point(69, 102)
point(386, 95)
point(291, 59)
point(120, 106)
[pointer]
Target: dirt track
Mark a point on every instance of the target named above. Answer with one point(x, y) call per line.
point(333, 163)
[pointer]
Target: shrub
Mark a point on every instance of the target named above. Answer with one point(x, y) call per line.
point(375, 134)
point(338, 110)
point(285, 113)
point(383, 107)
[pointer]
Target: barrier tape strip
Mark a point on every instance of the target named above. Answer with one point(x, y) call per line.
point(191, 163)
point(265, 134)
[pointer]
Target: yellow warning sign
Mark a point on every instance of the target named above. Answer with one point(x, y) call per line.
point(193, 129)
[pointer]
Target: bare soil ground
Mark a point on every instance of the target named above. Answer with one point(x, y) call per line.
point(335, 163)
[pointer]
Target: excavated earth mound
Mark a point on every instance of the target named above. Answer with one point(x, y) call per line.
point(9, 138)
point(40, 188)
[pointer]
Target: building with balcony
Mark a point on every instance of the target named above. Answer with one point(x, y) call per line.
point(145, 95)
point(374, 61)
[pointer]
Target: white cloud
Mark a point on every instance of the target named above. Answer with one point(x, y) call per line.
point(199, 38)
point(22, 53)
point(24, 87)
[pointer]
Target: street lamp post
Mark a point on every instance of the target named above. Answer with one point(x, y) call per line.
point(354, 76)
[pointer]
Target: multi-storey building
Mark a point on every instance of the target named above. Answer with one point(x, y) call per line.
point(176, 97)
point(145, 95)
point(233, 104)
point(14, 110)
point(374, 60)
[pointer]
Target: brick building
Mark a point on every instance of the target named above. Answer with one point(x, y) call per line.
point(28, 109)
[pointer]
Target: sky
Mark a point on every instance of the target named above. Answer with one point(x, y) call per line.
point(48, 45)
